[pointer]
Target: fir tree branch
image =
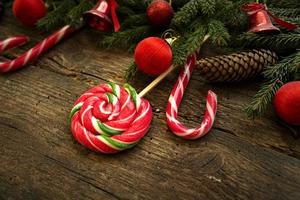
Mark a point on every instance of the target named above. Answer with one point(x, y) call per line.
point(278, 42)
point(277, 75)
point(77, 12)
point(135, 20)
point(262, 100)
point(126, 39)
point(130, 72)
point(286, 12)
point(138, 5)
point(229, 12)
point(56, 18)
point(179, 52)
point(194, 39)
point(284, 3)
point(218, 33)
point(191, 9)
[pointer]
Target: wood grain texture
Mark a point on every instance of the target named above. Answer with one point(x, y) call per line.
point(239, 159)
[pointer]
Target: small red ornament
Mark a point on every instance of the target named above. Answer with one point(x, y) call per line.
point(29, 11)
point(160, 13)
point(287, 103)
point(153, 55)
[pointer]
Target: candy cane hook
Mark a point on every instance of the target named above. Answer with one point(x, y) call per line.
point(34, 52)
point(174, 101)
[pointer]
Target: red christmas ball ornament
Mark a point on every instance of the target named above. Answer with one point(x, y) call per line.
point(287, 103)
point(28, 12)
point(160, 13)
point(153, 55)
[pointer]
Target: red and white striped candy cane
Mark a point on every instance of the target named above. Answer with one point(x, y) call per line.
point(175, 98)
point(12, 42)
point(37, 50)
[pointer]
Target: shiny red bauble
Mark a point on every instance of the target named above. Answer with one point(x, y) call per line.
point(287, 103)
point(28, 12)
point(153, 56)
point(160, 13)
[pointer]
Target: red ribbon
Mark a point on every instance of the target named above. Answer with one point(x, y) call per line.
point(253, 8)
point(114, 16)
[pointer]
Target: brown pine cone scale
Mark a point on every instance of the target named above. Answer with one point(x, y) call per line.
point(235, 67)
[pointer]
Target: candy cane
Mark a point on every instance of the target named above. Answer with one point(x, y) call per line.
point(175, 98)
point(12, 42)
point(36, 51)
point(109, 118)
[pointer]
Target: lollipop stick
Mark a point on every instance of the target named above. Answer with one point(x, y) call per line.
point(156, 81)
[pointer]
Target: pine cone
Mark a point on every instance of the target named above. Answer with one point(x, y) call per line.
point(235, 67)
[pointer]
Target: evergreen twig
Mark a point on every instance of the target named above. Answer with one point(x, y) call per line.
point(277, 75)
point(275, 42)
point(56, 18)
point(130, 72)
point(126, 39)
point(218, 33)
point(191, 9)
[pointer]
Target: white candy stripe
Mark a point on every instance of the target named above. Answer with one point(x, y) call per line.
point(126, 119)
point(96, 126)
point(126, 102)
point(61, 33)
point(11, 64)
point(113, 115)
point(210, 111)
point(181, 87)
point(83, 113)
point(171, 118)
point(107, 143)
point(138, 131)
point(103, 110)
point(118, 91)
point(127, 143)
point(138, 102)
point(143, 114)
point(27, 57)
point(5, 43)
point(114, 128)
point(173, 106)
point(90, 141)
point(42, 47)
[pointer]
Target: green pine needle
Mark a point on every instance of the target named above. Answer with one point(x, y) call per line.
point(126, 39)
point(218, 33)
point(57, 17)
point(130, 72)
point(277, 42)
point(190, 11)
point(277, 75)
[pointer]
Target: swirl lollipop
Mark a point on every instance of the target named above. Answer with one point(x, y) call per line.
point(109, 118)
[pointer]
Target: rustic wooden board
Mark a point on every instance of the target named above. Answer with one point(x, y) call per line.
point(239, 159)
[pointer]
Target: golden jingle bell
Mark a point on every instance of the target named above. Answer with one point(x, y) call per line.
point(99, 17)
